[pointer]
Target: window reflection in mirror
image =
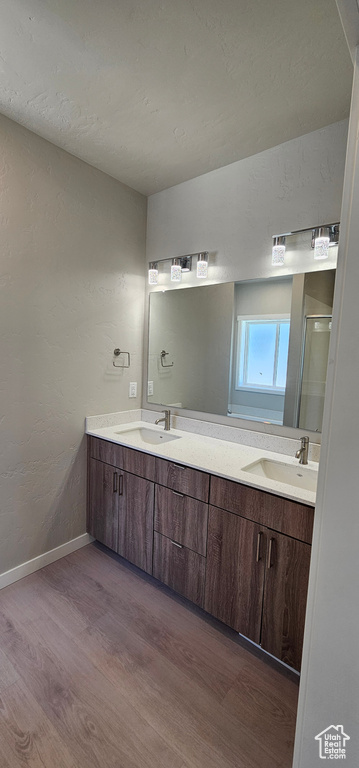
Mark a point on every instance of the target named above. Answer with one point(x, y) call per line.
point(254, 350)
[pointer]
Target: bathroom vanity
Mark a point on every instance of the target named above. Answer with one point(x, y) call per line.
point(238, 548)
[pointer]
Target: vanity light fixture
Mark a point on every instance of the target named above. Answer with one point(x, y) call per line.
point(278, 250)
point(202, 264)
point(176, 271)
point(179, 264)
point(153, 273)
point(321, 239)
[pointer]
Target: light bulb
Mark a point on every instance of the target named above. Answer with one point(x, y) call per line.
point(278, 251)
point(321, 243)
point(176, 271)
point(153, 274)
point(202, 265)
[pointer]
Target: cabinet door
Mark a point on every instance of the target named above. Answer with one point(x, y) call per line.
point(285, 597)
point(179, 568)
point(135, 536)
point(235, 571)
point(103, 503)
point(183, 479)
point(181, 518)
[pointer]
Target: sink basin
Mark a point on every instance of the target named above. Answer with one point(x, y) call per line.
point(297, 475)
point(150, 436)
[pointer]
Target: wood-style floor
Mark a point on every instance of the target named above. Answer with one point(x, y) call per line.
point(102, 668)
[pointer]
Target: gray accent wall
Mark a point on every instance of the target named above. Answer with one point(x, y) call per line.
point(72, 289)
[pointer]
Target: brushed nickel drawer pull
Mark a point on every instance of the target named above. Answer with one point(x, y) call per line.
point(270, 564)
point(114, 486)
point(258, 553)
point(178, 466)
point(120, 486)
point(178, 494)
point(180, 546)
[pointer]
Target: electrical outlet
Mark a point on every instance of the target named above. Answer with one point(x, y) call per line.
point(132, 390)
point(149, 388)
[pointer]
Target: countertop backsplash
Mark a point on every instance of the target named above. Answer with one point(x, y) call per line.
point(285, 445)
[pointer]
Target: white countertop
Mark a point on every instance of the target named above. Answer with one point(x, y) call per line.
point(210, 454)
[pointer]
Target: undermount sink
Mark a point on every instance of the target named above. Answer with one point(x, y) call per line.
point(151, 436)
point(297, 475)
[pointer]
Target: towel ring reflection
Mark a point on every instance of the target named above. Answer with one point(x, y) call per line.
point(162, 356)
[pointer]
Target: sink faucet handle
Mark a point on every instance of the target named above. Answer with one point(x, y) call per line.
point(302, 453)
point(167, 419)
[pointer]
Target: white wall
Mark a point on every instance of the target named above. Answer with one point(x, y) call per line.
point(330, 670)
point(194, 327)
point(234, 211)
point(71, 290)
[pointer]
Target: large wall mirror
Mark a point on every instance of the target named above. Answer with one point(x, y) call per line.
point(254, 350)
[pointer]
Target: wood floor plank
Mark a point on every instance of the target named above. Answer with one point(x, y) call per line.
point(260, 695)
point(35, 598)
point(75, 591)
point(27, 737)
point(124, 675)
point(178, 708)
point(186, 639)
point(96, 722)
point(8, 674)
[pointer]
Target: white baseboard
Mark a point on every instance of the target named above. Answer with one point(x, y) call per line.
point(39, 562)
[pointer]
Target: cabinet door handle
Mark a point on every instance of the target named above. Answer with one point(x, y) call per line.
point(180, 546)
point(178, 494)
point(258, 553)
point(177, 466)
point(114, 487)
point(120, 485)
point(269, 563)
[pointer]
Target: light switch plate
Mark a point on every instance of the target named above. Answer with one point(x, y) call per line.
point(132, 390)
point(149, 388)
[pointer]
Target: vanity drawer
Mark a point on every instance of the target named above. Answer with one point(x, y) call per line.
point(136, 462)
point(181, 518)
point(180, 478)
point(275, 512)
point(180, 568)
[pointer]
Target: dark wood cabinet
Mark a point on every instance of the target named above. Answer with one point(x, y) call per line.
point(181, 518)
point(274, 512)
point(180, 568)
point(235, 572)
point(135, 520)
point(128, 459)
point(257, 582)
point(120, 509)
point(245, 558)
point(285, 597)
point(102, 510)
point(183, 479)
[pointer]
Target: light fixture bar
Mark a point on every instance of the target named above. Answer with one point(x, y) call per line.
point(179, 264)
point(333, 232)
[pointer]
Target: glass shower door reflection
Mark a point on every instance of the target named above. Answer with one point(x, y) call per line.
point(314, 373)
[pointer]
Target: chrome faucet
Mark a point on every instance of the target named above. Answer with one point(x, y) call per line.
point(302, 454)
point(166, 419)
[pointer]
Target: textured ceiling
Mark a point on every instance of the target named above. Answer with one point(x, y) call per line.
point(155, 92)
